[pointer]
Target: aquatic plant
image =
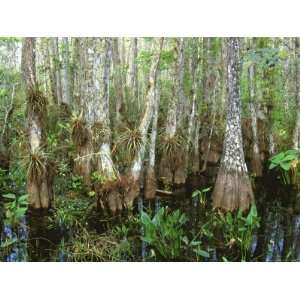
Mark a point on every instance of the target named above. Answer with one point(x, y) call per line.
point(287, 162)
point(15, 208)
point(90, 246)
point(238, 229)
point(201, 194)
point(14, 229)
point(69, 214)
point(164, 232)
point(166, 237)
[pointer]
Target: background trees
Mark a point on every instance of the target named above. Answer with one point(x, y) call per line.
point(101, 118)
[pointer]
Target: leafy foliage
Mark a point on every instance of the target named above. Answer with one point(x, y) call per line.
point(287, 162)
point(201, 194)
point(165, 235)
point(15, 208)
point(238, 229)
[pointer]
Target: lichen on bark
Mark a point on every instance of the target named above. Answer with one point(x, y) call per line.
point(233, 187)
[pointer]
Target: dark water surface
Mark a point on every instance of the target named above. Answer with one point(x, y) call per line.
point(277, 239)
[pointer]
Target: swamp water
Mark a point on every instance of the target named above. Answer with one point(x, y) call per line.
point(276, 239)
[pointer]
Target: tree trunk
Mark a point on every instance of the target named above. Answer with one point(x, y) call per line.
point(150, 181)
point(194, 106)
point(118, 79)
point(209, 100)
point(143, 127)
point(101, 127)
point(173, 162)
point(233, 188)
point(256, 160)
point(56, 67)
point(51, 70)
point(133, 72)
point(181, 110)
point(38, 186)
point(65, 82)
point(196, 154)
point(4, 136)
point(75, 74)
point(82, 124)
point(297, 97)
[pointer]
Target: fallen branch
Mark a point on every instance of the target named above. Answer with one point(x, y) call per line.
point(164, 193)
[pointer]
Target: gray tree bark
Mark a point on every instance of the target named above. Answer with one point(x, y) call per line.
point(256, 160)
point(102, 121)
point(137, 163)
point(150, 181)
point(38, 187)
point(118, 79)
point(56, 67)
point(296, 133)
point(168, 166)
point(233, 187)
point(65, 82)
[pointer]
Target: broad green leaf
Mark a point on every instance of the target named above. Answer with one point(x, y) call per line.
point(9, 196)
point(201, 253)
point(195, 193)
point(289, 157)
point(285, 165)
point(278, 157)
point(206, 189)
point(195, 243)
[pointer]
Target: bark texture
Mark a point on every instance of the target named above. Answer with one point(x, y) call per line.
point(172, 163)
point(118, 79)
point(233, 187)
point(65, 82)
point(38, 183)
point(150, 180)
point(82, 128)
point(296, 133)
point(256, 160)
point(102, 131)
point(144, 126)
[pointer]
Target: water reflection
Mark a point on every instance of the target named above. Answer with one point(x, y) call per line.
point(278, 238)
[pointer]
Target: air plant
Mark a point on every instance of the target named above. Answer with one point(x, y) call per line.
point(79, 131)
point(36, 101)
point(130, 140)
point(36, 164)
point(171, 145)
point(101, 133)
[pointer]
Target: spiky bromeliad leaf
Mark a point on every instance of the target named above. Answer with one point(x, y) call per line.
point(36, 164)
point(172, 146)
point(130, 140)
point(79, 131)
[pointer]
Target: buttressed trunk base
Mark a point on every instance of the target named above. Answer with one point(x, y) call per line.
point(232, 191)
